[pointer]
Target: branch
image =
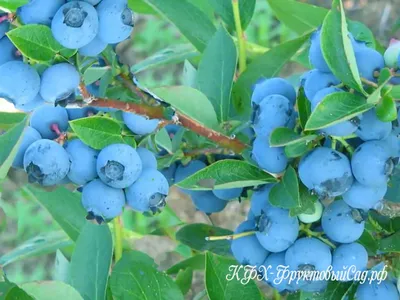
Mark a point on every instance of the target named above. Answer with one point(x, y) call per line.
point(240, 36)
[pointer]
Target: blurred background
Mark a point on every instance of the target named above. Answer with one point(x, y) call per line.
point(26, 219)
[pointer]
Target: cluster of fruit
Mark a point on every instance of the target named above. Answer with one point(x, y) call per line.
point(358, 179)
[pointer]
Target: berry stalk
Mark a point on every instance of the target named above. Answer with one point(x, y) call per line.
point(118, 238)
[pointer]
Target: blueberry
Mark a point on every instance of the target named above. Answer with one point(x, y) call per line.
point(316, 57)
point(19, 82)
point(271, 159)
point(45, 116)
point(371, 128)
point(314, 286)
point(8, 52)
point(148, 193)
point(260, 200)
point(273, 111)
point(368, 61)
point(228, 194)
point(4, 24)
point(272, 270)
point(147, 157)
point(115, 21)
point(169, 173)
point(94, 48)
point(138, 124)
point(317, 81)
point(83, 162)
point(182, 172)
point(392, 54)
point(92, 2)
point(118, 165)
point(75, 24)
point(46, 162)
point(311, 218)
point(79, 113)
point(384, 290)
point(393, 142)
point(101, 200)
point(29, 137)
point(277, 230)
point(343, 128)
point(325, 171)
point(341, 223)
point(363, 196)
point(247, 250)
point(273, 86)
point(39, 11)
point(31, 106)
point(59, 82)
point(371, 163)
point(206, 202)
point(349, 258)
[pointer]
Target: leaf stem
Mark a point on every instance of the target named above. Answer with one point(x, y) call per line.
point(318, 235)
point(230, 237)
point(277, 296)
point(333, 146)
point(118, 238)
point(200, 295)
point(346, 145)
point(369, 82)
point(240, 36)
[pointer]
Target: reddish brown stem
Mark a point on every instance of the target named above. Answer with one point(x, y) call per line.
point(84, 92)
point(56, 129)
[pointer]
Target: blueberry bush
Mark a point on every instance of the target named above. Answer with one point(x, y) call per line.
point(316, 159)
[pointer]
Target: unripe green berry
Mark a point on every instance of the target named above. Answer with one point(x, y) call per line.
point(311, 218)
point(392, 53)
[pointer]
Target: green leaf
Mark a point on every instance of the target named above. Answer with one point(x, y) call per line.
point(190, 20)
point(335, 108)
point(10, 141)
point(166, 161)
point(386, 109)
point(39, 245)
point(92, 74)
point(12, 292)
point(173, 55)
point(361, 33)
point(297, 150)
point(195, 263)
point(227, 173)
point(136, 278)
point(216, 72)
point(194, 236)
point(225, 10)
point(285, 194)
point(91, 261)
point(335, 290)
point(306, 205)
point(189, 74)
point(298, 16)
point(163, 140)
point(391, 243)
point(98, 132)
point(50, 290)
point(369, 242)
point(205, 6)
point(304, 108)
point(184, 280)
point(337, 49)
point(191, 102)
point(11, 5)
point(393, 192)
point(283, 136)
point(395, 92)
point(64, 206)
point(376, 95)
point(61, 267)
point(267, 65)
point(37, 42)
point(9, 120)
point(141, 7)
point(218, 269)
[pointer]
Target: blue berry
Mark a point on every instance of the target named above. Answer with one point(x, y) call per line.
point(277, 230)
point(138, 124)
point(273, 111)
point(94, 48)
point(371, 163)
point(371, 128)
point(19, 82)
point(169, 173)
point(101, 200)
point(271, 159)
point(272, 271)
point(260, 200)
point(79, 113)
point(313, 286)
point(393, 142)
point(115, 21)
point(46, 162)
point(343, 128)
point(207, 202)
point(8, 52)
point(4, 24)
point(39, 11)
point(45, 116)
point(75, 24)
point(368, 61)
point(228, 194)
point(363, 196)
point(183, 172)
point(92, 2)
point(31, 106)
point(316, 57)
point(148, 193)
point(377, 291)
point(30, 136)
point(341, 223)
point(316, 81)
point(118, 165)
point(326, 171)
point(247, 250)
point(349, 257)
point(147, 157)
point(83, 162)
point(273, 86)
point(59, 82)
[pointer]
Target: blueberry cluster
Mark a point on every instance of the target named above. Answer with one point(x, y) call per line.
point(349, 183)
